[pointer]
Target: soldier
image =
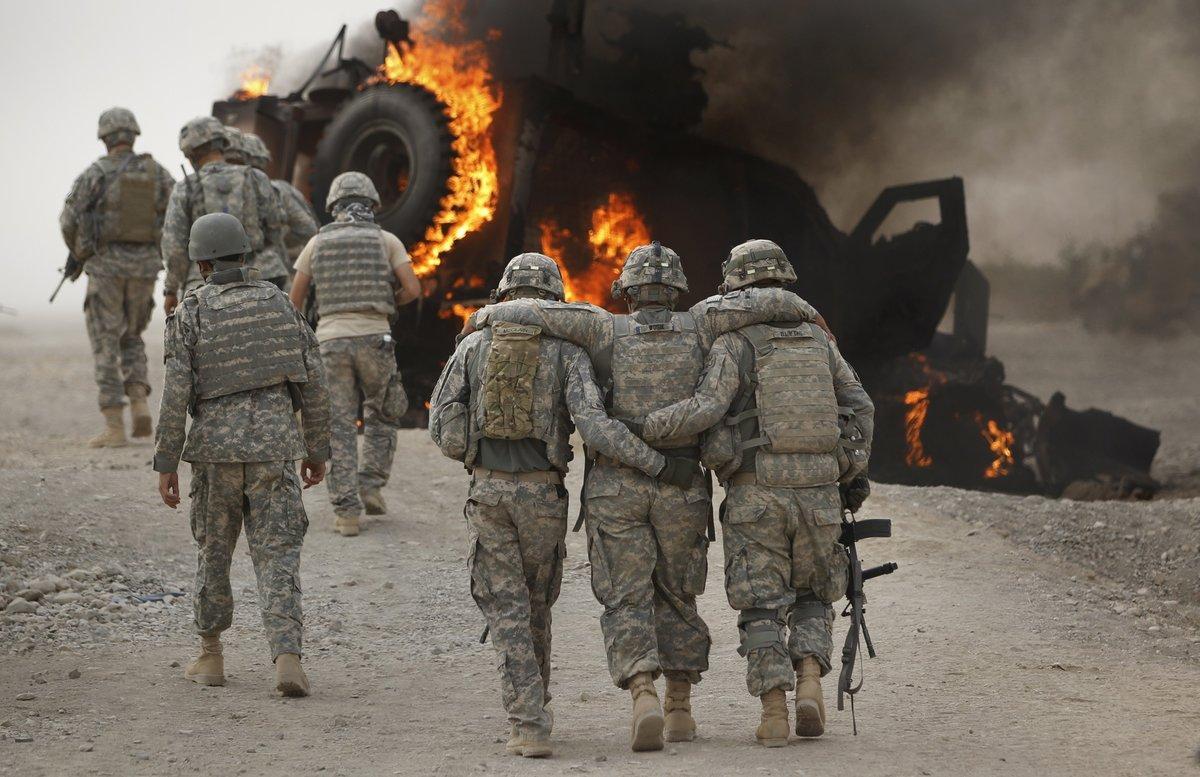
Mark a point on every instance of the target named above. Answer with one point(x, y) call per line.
point(501, 407)
point(773, 395)
point(302, 221)
point(648, 540)
point(235, 147)
point(111, 222)
point(217, 187)
point(355, 267)
point(242, 374)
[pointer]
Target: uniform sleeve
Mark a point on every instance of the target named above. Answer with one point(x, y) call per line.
point(77, 198)
point(850, 393)
point(300, 222)
point(177, 390)
point(584, 325)
point(397, 254)
point(314, 396)
point(715, 392)
point(716, 316)
point(599, 432)
point(176, 226)
point(270, 210)
point(449, 406)
point(166, 184)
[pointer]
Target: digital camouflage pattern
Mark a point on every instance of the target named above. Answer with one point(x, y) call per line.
point(117, 120)
point(117, 310)
point(350, 269)
point(301, 221)
point(264, 497)
point(241, 191)
point(516, 535)
point(354, 364)
point(508, 379)
point(753, 262)
point(351, 184)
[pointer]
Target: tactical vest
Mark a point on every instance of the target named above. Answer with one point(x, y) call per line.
point(653, 366)
point(228, 189)
point(247, 338)
point(787, 415)
point(350, 270)
point(127, 211)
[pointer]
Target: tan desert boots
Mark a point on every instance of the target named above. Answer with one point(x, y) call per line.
point(810, 705)
point(209, 668)
point(289, 676)
point(646, 730)
point(113, 435)
point(139, 412)
point(346, 525)
point(372, 500)
point(773, 730)
point(680, 725)
point(529, 743)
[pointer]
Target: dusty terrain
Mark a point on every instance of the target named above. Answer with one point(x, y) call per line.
point(1017, 637)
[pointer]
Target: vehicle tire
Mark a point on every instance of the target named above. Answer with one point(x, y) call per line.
point(398, 135)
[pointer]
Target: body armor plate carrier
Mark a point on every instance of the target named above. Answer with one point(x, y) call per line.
point(230, 189)
point(508, 376)
point(350, 269)
point(128, 208)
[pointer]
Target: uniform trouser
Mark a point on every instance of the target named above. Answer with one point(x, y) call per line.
point(517, 545)
point(363, 364)
point(117, 310)
point(265, 497)
point(783, 570)
point(648, 546)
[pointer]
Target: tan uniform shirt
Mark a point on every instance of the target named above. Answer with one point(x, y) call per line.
point(359, 322)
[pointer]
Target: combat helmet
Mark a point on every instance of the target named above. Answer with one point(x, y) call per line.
point(351, 184)
point(755, 261)
point(256, 151)
point(217, 236)
point(650, 264)
point(117, 120)
point(235, 149)
point(531, 270)
point(200, 131)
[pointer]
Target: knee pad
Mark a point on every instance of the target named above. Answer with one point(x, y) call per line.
point(761, 629)
point(808, 606)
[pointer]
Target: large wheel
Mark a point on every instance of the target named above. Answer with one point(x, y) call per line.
point(398, 136)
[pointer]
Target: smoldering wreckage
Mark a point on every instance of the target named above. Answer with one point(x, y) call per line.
point(474, 165)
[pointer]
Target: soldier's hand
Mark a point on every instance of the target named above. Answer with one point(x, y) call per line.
point(170, 301)
point(856, 492)
point(635, 425)
point(679, 472)
point(313, 472)
point(168, 488)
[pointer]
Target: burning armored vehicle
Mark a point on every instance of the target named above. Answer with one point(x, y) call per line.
point(473, 168)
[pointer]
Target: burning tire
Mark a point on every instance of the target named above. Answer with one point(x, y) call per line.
point(397, 135)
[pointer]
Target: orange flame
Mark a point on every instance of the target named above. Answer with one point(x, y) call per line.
point(459, 76)
point(617, 228)
point(1000, 442)
point(914, 419)
point(458, 310)
point(256, 80)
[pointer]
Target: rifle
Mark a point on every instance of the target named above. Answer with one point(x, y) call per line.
point(856, 606)
point(70, 272)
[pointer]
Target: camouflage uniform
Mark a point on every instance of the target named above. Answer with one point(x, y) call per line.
point(783, 567)
point(242, 446)
point(301, 221)
point(121, 273)
point(244, 192)
point(647, 539)
point(517, 507)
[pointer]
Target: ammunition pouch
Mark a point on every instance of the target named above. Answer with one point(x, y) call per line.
point(395, 400)
point(508, 377)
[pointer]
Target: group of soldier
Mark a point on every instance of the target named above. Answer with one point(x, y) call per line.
point(748, 382)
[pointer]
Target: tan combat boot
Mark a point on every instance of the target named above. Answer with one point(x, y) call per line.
point(346, 525)
point(209, 668)
point(113, 435)
point(810, 704)
point(646, 730)
point(289, 676)
point(139, 412)
point(372, 500)
point(529, 743)
point(773, 730)
point(680, 725)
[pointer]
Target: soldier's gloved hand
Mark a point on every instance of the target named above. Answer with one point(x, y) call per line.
point(679, 471)
point(313, 472)
point(635, 425)
point(856, 492)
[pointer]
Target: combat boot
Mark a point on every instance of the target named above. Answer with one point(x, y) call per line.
point(529, 742)
point(372, 500)
point(113, 435)
point(773, 730)
point(680, 725)
point(810, 704)
point(346, 525)
point(646, 730)
point(139, 412)
point(289, 676)
point(209, 668)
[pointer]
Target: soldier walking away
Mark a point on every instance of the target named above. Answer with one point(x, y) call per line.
point(219, 187)
point(301, 219)
point(242, 361)
point(503, 406)
point(789, 421)
point(111, 222)
point(355, 267)
point(648, 540)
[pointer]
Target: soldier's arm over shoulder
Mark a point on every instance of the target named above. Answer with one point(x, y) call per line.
point(178, 341)
point(749, 306)
point(580, 323)
point(715, 392)
point(606, 435)
point(850, 392)
point(314, 393)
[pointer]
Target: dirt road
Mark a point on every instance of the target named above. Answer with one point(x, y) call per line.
point(993, 660)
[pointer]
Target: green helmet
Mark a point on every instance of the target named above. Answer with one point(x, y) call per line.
point(654, 263)
point(199, 131)
point(256, 151)
point(754, 261)
point(117, 120)
point(531, 270)
point(235, 149)
point(351, 184)
point(217, 236)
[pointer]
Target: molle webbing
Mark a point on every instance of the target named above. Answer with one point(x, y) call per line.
point(230, 189)
point(247, 338)
point(130, 203)
point(508, 378)
point(350, 270)
point(656, 365)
